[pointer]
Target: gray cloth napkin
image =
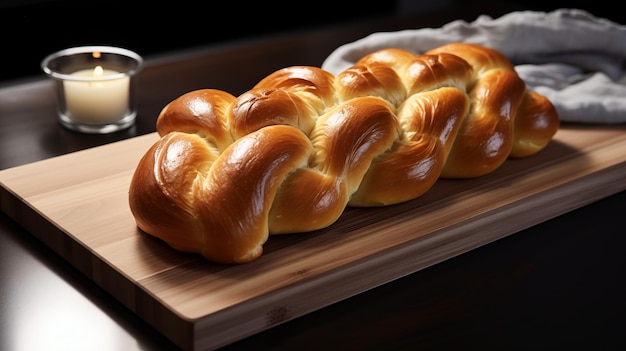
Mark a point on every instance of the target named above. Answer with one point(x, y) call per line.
point(576, 60)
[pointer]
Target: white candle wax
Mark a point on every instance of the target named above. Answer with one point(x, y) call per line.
point(96, 102)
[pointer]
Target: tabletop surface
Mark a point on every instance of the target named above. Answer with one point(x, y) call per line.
point(559, 283)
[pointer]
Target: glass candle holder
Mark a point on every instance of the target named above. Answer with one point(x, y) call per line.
point(95, 87)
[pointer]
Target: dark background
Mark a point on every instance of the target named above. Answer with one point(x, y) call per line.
point(32, 29)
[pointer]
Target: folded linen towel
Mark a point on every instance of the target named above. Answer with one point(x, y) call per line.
point(575, 59)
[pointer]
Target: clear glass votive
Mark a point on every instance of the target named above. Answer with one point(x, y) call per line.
point(95, 87)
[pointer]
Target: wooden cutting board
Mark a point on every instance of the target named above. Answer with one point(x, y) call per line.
point(77, 205)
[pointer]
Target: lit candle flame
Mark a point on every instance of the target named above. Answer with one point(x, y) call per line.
point(98, 71)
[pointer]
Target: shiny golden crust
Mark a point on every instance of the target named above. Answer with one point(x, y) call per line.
point(291, 153)
point(216, 205)
point(203, 111)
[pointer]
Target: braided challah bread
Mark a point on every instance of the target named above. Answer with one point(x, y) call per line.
point(290, 154)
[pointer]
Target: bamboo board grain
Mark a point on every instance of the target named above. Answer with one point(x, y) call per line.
point(77, 205)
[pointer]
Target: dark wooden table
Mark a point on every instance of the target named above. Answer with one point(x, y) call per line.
point(559, 284)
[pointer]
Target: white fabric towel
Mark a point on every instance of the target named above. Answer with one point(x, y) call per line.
point(575, 59)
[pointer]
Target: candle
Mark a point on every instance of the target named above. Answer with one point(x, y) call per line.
point(95, 87)
point(96, 101)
